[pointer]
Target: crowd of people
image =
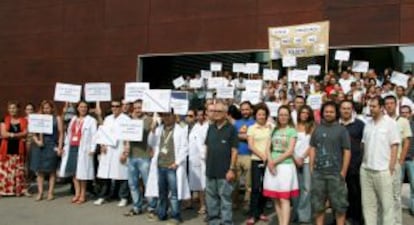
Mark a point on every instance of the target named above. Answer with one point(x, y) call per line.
point(351, 154)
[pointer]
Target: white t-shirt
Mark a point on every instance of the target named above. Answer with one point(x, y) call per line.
point(378, 138)
point(346, 84)
point(302, 144)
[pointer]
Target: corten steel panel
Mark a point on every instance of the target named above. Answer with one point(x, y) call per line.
point(124, 13)
point(407, 23)
point(126, 40)
point(85, 44)
point(84, 15)
point(365, 26)
point(166, 11)
point(209, 9)
point(44, 45)
point(24, 4)
point(273, 6)
point(30, 21)
point(282, 19)
point(358, 3)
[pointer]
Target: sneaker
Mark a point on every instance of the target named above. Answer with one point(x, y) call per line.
point(172, 222)
point(152, 217)
point(99, 201)
point(123, 202)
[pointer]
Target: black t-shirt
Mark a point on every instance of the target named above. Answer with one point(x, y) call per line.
point(219, 146)
point(355, 130)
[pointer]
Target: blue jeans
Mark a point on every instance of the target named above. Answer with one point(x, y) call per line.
point(302, 204)
point(167, 184)
point(409, 166)
point(139, 167)
point(219, 201)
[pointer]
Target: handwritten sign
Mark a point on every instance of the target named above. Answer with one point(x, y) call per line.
point(315, 101)
point(179, 82)
point(225, 92)
point(216, 82)
point(135, 90)
point(252, 68)
point(273, 108)
point(196, 83)
point(342, 55)
point(238, 67)
point(97, 92)
point(40, 123)
point(399, 79)
point(298, 76)
point(131, 130)
point(314, 70)
point(156, 100)
point(67, 92)
point(179, 102)
point(254, 85)
point(289, 61)
point(216, 66)
point(360, 66)
point(206, 74)
point(251, 96)
point(269, 74)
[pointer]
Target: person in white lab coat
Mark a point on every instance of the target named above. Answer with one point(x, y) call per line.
point(77, 159)
point(197, 154)
point(168, 176)
point(112, 162)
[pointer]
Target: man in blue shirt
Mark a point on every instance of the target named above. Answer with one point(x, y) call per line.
point(244, 160)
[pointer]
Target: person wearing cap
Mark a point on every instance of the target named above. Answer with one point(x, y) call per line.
point(168, 176)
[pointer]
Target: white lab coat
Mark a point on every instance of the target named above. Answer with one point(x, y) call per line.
point(197, 157)
point(110, 166)
point(181, 153)
point(85, 166)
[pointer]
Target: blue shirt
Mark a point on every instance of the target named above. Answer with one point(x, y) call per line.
point(242, 125)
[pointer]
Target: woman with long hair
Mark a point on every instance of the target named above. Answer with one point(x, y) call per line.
point(77, 159)
point(305, 126)
point(280, 179)
point(46, 151)
point(258, 138)
point(12, 152)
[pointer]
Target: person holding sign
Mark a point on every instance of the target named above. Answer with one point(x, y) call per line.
point(12, 152)
point(112, 163)
point(139, 161)
point(280, 180)
point(168, 176)
point(77, 160)
point(46, 151)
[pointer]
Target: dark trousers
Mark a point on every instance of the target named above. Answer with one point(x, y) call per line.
point(257, 200)
point(109, 188)
point(354, 197)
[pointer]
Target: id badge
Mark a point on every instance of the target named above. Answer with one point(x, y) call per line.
point(164, 150)
point(75, 138)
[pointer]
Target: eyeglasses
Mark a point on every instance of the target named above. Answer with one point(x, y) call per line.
point(115, 106)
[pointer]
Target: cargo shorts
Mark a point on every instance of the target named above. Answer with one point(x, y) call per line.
point(328, 187)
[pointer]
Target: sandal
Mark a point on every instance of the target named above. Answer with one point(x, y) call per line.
point(39, 197)
point(75, 199)
point(202, 210)
point(50, 197)
point(80, 201)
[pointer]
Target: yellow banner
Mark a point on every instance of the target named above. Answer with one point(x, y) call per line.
point(304, 40)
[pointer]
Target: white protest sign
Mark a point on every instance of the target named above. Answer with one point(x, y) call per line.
point(399, 79)
point(67, 92)
point(104, 136)
point(315, 101)
point(314, 70)
point(289, 61)
point(178, 82)
point(253, 85)
point(225, 92)
point(135, 90)
point(360, 66)
point(40, 123)
point(216, 66)
point(252, 68)
point(196, 83)
point(206, 74)
point(238, 67)
point(273, 108)
point(251, 96)
point(97, 92)
point(298, 76)
point(131, 130)
point(269, 74)
point(215, 82)
point(342, 55)
point(156, 100)
point(179, 102)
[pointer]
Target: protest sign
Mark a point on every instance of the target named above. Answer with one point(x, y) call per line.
point(131, 130)
point(360, 66)
point(238, 67)
point(289, 61)
point(225, 92)
point(179, 82)
point(179, 102)
point(196, 83)
point(315, 101)
point(67, 92)
point(135, 90)
point(298, 76)
point(156, 100)
point(97, 92)
point(40, 123)
point(399, 79)
point(273, 108)
point(216, 66)
point(269, 74)
point(342, 55)
point(314, 70)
